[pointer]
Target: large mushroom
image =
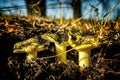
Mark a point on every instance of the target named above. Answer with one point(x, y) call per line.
point(59, 47)
point(84, 48)
point(30, 47)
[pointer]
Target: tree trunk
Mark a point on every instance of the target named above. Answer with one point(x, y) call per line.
point(36, 7)
point(76, 8)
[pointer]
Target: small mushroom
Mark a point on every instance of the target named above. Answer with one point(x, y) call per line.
point(30, 47)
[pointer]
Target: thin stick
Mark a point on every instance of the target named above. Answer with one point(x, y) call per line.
point(57, 54)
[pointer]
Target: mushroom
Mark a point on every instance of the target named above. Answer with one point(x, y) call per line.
point(30, 47)
point(84, 49)
point(59, 47)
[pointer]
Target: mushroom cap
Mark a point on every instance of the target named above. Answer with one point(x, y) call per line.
point(50, 37)
point(26, 46)
point(83, 42)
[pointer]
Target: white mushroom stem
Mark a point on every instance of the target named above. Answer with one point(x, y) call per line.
point(84, 58)
point(84, 51)
point(84, 54)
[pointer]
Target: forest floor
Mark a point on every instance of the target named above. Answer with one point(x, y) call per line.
point(104, 59)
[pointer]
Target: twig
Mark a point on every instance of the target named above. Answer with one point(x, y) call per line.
point(113, 72)
point(111, 60)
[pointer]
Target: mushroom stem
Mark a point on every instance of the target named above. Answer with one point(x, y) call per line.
point(84, 58)
point(31, 55)
point(60, 49)
point(84, 54)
